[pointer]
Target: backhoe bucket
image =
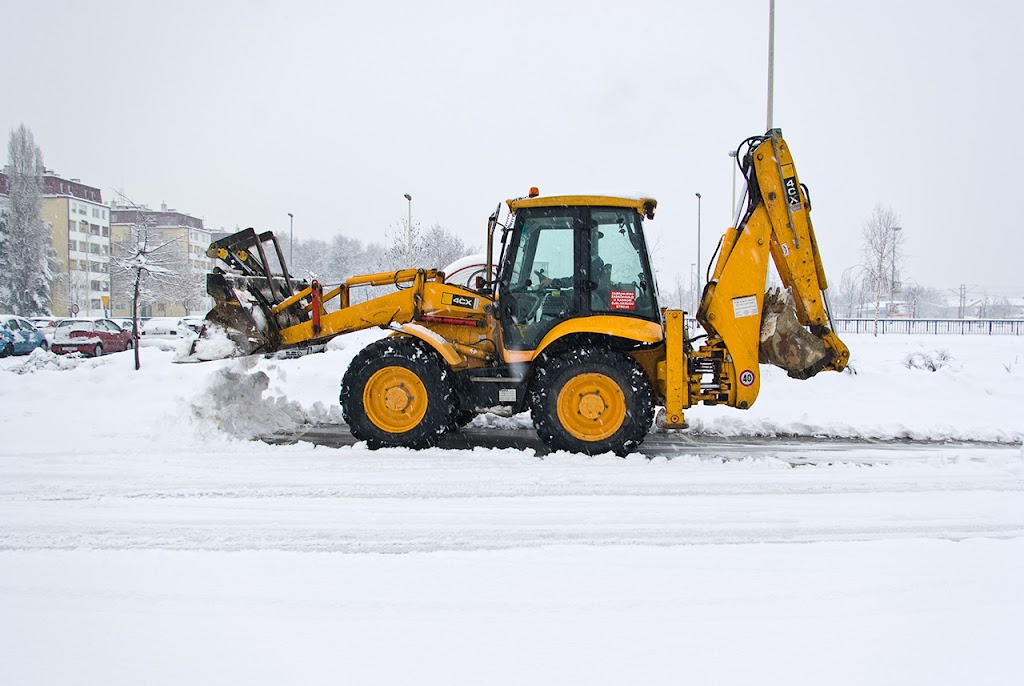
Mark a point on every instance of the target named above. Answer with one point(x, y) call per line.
point(785, 342)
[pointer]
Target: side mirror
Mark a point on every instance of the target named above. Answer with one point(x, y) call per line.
point(481, 282)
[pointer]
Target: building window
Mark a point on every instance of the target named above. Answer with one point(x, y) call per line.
point(94, 229)
point(105, 230)
point(94, 248)
point(83, 265)
point(72, 245)
point(97, 304)
point(104, 214)
point(94, 285)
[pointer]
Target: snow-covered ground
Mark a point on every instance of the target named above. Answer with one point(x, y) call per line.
point(143, 539)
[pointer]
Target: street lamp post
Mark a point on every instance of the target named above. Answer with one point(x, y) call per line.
point(732, 210)
point(408, 228)
point(698, 247)
point(291, 241)
point(693, 298)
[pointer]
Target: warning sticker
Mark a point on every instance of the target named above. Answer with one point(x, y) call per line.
point(623, 300)
point(747, 377)
point(745, 306)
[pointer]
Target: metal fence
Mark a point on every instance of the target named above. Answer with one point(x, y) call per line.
point(986, 327)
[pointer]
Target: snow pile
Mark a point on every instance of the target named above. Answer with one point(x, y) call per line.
point(45, 360)
point(234, 402)
point(214, 344)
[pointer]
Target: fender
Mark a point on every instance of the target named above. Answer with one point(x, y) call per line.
point(639, 330)
point(444, 348)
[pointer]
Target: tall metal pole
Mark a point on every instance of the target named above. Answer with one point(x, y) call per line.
point(732, 209)
point(291, 241)
point(699, 291)
point(771, 60)
point(408, 228)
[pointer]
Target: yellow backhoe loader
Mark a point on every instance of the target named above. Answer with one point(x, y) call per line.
point(566, 323)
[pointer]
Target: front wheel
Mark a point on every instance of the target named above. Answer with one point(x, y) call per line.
point(592, 400)
point(398, 393)
point(6, 349)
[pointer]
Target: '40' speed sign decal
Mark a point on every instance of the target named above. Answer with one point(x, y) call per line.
point(747, 377)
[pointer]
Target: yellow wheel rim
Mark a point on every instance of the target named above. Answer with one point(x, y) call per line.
point(395, 399)
point(591, 407)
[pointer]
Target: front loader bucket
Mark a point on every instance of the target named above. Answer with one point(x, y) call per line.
point(785, 342)
point(252, 302)
point(239, 313)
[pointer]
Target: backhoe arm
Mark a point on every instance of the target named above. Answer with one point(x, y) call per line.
point(743, 327)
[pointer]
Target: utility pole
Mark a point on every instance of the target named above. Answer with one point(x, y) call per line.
point(408, 229)
point(771, 60)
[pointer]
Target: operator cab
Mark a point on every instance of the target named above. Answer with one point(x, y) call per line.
point(574, 256)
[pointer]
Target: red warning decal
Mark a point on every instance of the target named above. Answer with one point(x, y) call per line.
point(623, 300)
point(747, 377)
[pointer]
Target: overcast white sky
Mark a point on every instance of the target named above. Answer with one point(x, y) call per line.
point(240, 112)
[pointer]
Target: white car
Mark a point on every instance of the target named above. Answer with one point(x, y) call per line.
point(166, 328)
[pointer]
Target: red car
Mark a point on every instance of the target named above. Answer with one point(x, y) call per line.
point(90, 337)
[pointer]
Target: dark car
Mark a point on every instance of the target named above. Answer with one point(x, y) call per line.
point(18, 336)
point(90, 337)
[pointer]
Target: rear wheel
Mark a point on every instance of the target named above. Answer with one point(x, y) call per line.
point(98, 350)
point(398, 392)
point(592, 400)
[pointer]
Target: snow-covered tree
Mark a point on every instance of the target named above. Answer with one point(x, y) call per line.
point(28, 261)
point(882, 254)
point(433, 248)
point(147, 267)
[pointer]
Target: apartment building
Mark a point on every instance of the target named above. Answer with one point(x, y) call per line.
point(80, 225)
point(187, 234)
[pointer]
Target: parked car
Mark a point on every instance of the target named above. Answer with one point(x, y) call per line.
point(18, 336)
point(125, 322)
point(90, 337)
point(45, 326)
point(167, 328)
point(195, 323)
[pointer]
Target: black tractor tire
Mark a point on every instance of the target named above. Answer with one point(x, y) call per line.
point(574, 380)
point(409, 389)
